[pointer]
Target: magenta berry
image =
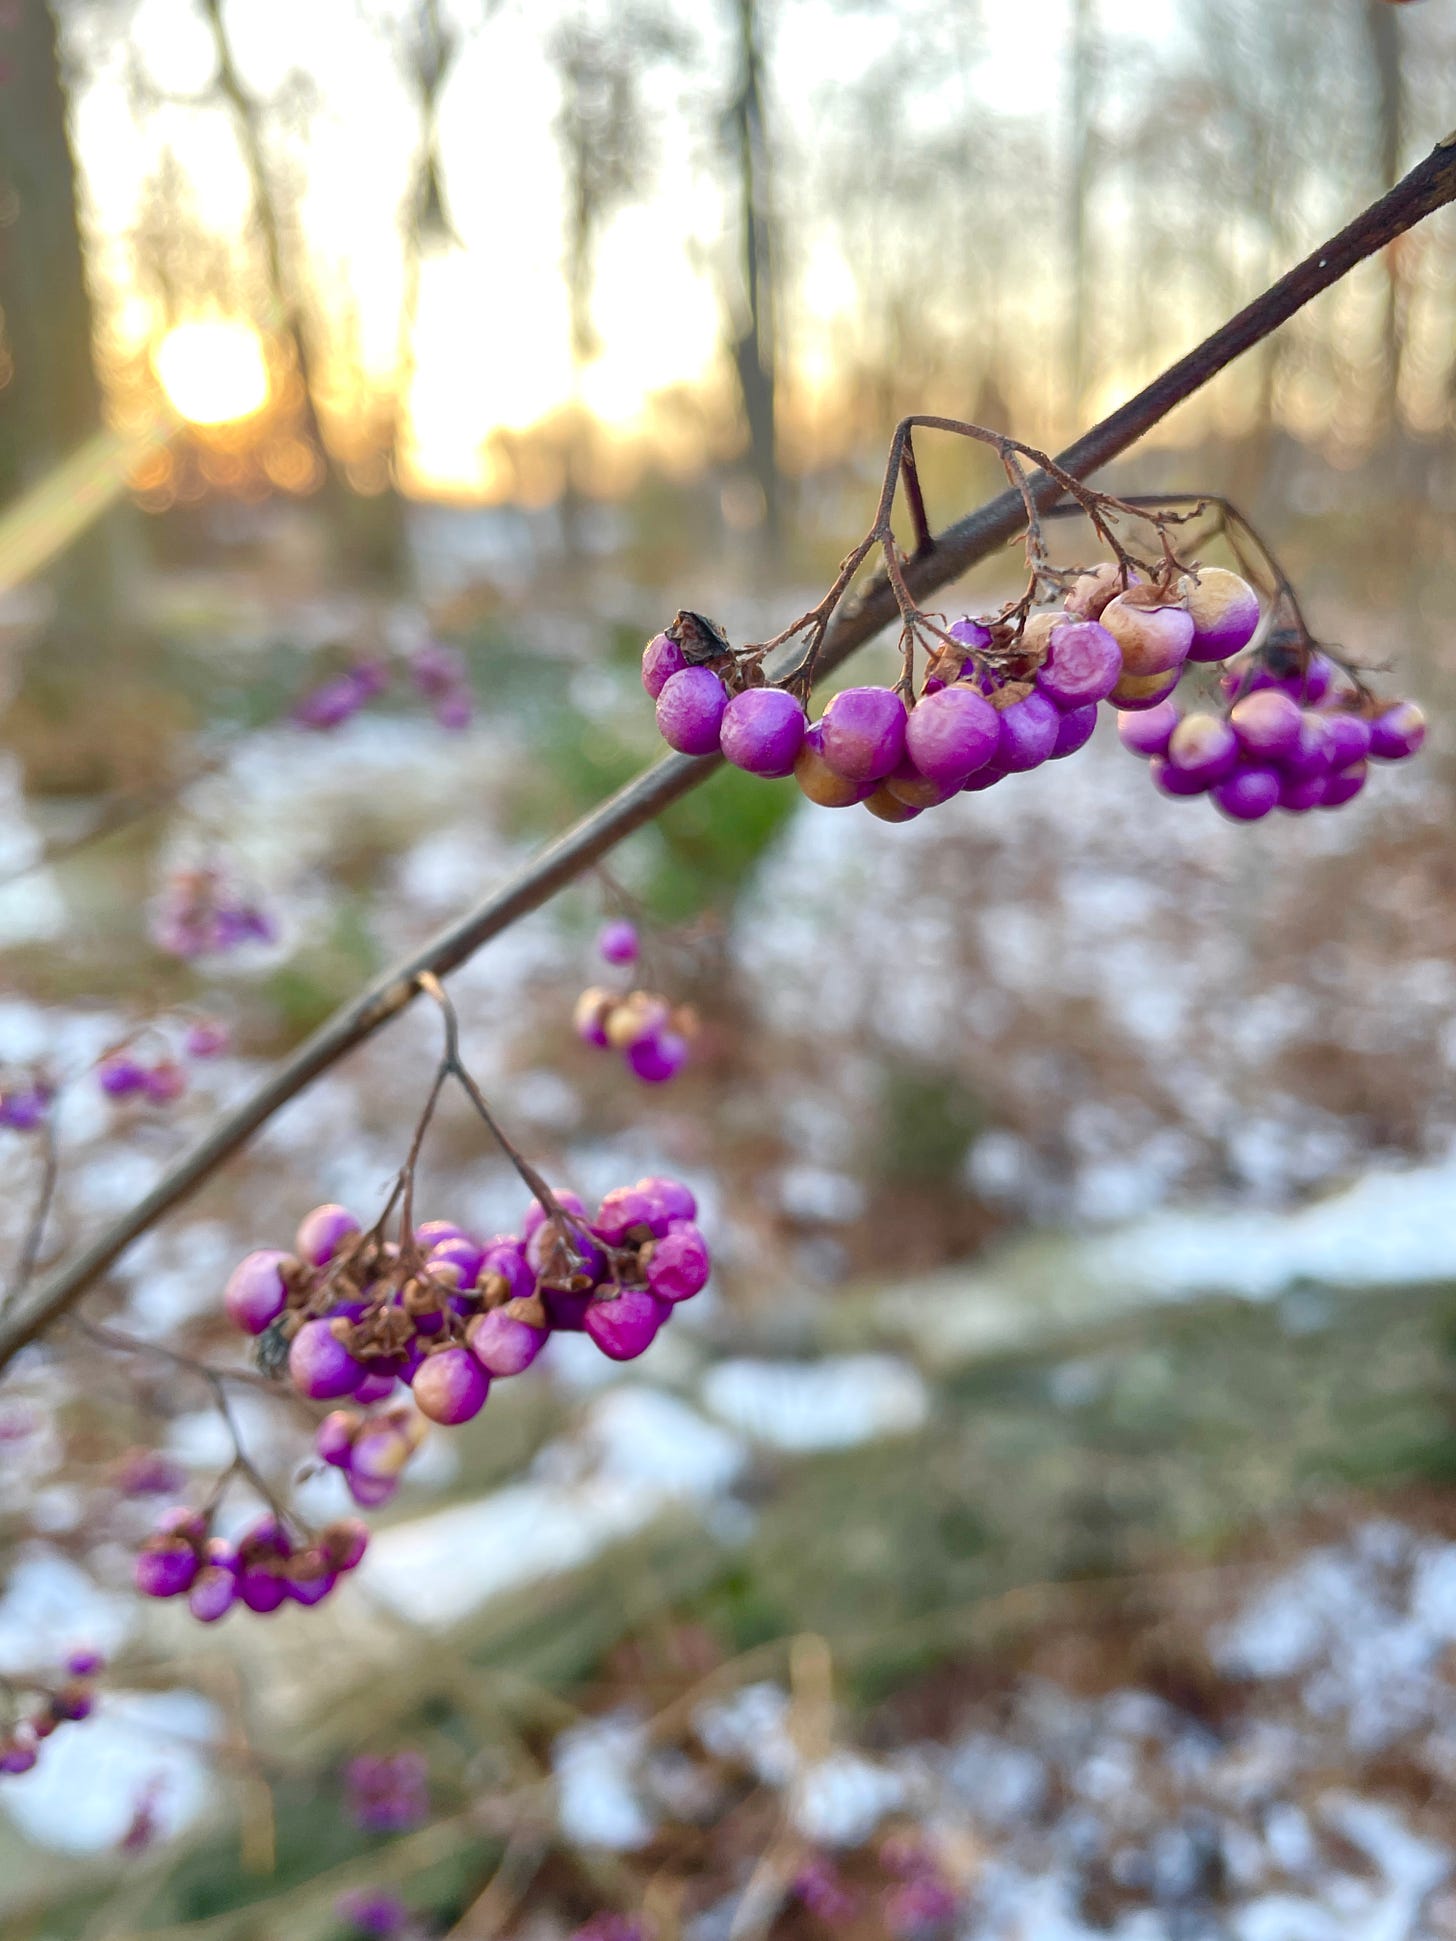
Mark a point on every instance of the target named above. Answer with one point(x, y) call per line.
point(657, 1058)
point(503, 1342)
point(451, 1386)
point(625, 1324)
point(1398, 732)
point(690, 711)
point(617, 942)
point(1224, 610)
point(121, 1076)
point(675, 1197)
point(862, 733)
point(661, 659)
point(1028, 734)
point(1074, 730)
point(165, 1566)
point(1152, 639)
point(324, 1234)
point(630, 1213)
point(1350, 738)
point(761, 731)
point(1083, 663)
point(1344, 785)
point(1203, 748)
point(678, 1264)
point(953, 733)
point(1267, 724)
point(255, 1295)
point(1248, 794)
point(319, 1364)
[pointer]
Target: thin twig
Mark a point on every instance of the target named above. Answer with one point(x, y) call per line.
point(1429, 186)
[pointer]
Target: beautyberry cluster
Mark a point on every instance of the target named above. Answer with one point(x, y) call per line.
point(436, 671)
point(202, 913)
point(67, 1703)
point(445, 1312)
point(261, 1569)
point(158, 1078)
point(651, 1034)
point(370, 1450)
point(1291, 731)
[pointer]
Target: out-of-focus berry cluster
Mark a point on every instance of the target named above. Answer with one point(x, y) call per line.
point(148, 1069)
point(1006, 694)
point(261, 1569)
point(435, 671)
point(449, 1312)
point(63, 1704)
point(25, 1099)
point(202, 912)
point(387, 1792)
point(651, 1034)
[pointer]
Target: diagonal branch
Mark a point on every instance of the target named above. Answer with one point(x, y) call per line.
point(1430, 185)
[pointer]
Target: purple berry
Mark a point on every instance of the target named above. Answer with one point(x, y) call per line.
point(1344, 785)
point(1152, 639)
point(624, 1324)
point(1083, 663)
point(984, 778)
point(467, 1257)
point(661, 659)
point(617, 942)
point(213, 1594)
point(165, 1082)
point(1028, 734)
point(1224, 610)
point(1247, 794)
point(1350, 736)
point(207, 1038)
point(334, 1437)
point(165, 1567)
point(1169, 780)
point(1267, 723)
point(970, 633)
point(255, 1295)
point(657, 1058)
point(1312, 753)
point(678, 1265)
point(507, 1259)
point(1203, 748)
point(1090, 592)
point(1299, 793)
point(1398, 732)
point(761, 731)
point(120, 1076)
point(377, 1383)
point(906, 784)
point(566, 1307)
point(451, 1386)
point(862, 733)
point(951, 734)
point(675, 1197)
point(690, 711)
point(319, 1364)
point(433, 1232)
point(628, 1213)
point(1136, 692)
point(1074, 731)
point(565, 1251)
point(503, 1343)
point(323, 1234)
point(85, 1664)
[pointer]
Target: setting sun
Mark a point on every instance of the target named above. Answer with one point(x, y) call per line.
point(213, 370)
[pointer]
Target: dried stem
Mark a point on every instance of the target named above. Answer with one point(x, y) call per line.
point(1429, 186)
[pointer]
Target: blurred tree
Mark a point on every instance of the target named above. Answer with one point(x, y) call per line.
point(50, 401)
point(603, 130)
point(753, 297)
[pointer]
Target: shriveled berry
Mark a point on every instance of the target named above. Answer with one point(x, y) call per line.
point(951, 734)
point(862, 732)
point(1152, 638)
point(1224, 610)
point(678, 1265)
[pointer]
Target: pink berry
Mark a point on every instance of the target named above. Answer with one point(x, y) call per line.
point(1028, 734)
point(624, 1325)
point(319, 1364)
point(1224, 610)
point(1083, 663)
point(324, 1233)
point(617, 942)
point(1203, 748)
point(761, 731)
point(690, 711)
point(678, 1265)
point(657, 1058)
point(862, 733)
point(951, 734)
point(451, 1386)
point(503, 1343)
point(255, 1295)
point(1267, 723)
point(1153, 639)
point(1248, 794)
point(1398, 732)
point(1074, 731)
point(661, 659)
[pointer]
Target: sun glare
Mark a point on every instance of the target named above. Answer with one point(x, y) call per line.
point(213, 370)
